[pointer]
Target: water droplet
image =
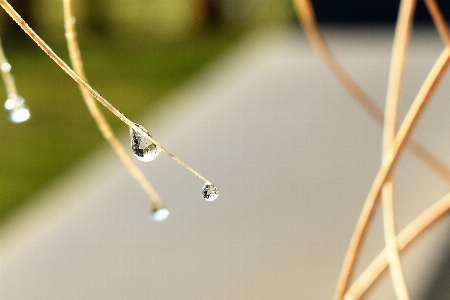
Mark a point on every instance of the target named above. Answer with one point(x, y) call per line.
point(144, 149)
point(209, 192)
point(10, 103)
point(19, 115)
point(159, 214)
point(18, 111)
point(5, 67)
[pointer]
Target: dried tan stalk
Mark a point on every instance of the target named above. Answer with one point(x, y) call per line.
point(405, 239)
point(18, 19)
point(306, 15)
point(100, 120)
point(7, 77)
point(425, 220)
point(438, 20)
point(398, 58)
point(389, 162)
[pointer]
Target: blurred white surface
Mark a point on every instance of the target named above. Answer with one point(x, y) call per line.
point(293, 158)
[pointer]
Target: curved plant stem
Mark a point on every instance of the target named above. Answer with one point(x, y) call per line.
point(107, 132)
point(430, 160)
point(373, 272)
point(306, 15)
point(7, 77)
point(398, 58)
point(18, 19)
point(389, 161)
point(405, 239)
point(438, 20)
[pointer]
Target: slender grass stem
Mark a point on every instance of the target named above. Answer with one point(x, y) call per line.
point(374, 271)
point(306, 15)
point(389, 162)
point(105, 128)
point(398, 58)
point(305, 11)
point(405, 239)
point(18, 19)
point(438, 20)
point(7, 77)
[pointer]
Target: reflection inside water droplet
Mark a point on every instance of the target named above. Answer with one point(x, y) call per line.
point(144, 149)
point(18, 111)
point(160, 214)
point(209, 192)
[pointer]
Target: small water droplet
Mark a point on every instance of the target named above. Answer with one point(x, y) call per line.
point(18, 111)
point(144, 149)
point(209, 192)
point(10, 103)
point(159, 214)
point(5, 67)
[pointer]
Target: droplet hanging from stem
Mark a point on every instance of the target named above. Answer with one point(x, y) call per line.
point(18, 111)
point(209, 192)
point(84, 85)
point(15, 106)
point(159, 214)
point(144, 149)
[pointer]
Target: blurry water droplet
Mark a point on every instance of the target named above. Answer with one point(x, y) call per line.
point(10, 103)
point(159, 214)
point(144, 149)
point(18, 111)
point(209, 192)
point(19, 115)
point(5, 67)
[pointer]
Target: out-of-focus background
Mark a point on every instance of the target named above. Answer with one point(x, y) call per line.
point(219, 83)
point(134, 53)
point(137, 51)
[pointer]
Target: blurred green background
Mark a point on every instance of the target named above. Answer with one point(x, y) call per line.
point(134, 52)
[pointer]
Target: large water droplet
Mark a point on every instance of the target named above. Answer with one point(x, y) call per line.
point(159, 214)
point(209, 192)
point(144, 149)
point(18, 111)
